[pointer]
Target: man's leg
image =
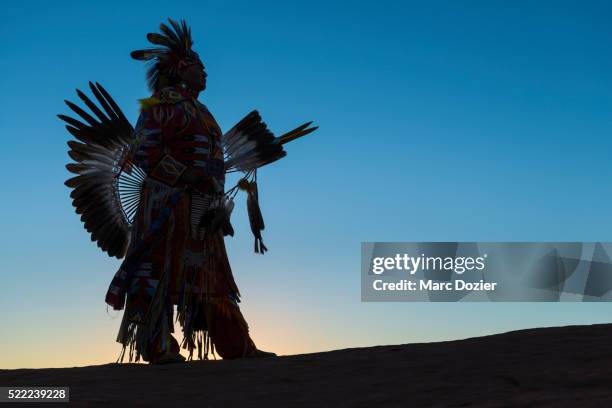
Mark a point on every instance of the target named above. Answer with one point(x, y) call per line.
point(164, 348)
point(170, 355)
point(229, 331)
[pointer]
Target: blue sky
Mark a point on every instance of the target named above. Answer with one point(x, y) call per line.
point(439, 120)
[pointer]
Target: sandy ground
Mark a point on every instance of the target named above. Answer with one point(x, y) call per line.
point(566, 366)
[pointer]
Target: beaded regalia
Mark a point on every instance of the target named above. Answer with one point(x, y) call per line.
point(130, 191)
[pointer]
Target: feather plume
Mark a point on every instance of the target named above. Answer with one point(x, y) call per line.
point(250, 144)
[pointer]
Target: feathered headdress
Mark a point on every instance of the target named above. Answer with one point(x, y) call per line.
point(173, 51)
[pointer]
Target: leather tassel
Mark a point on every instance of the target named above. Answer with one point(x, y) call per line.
point(255, 218)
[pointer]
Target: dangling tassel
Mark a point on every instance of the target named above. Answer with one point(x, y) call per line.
point(199, 335)
point(255, 217)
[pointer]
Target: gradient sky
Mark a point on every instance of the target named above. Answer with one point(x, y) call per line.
point(439, 120)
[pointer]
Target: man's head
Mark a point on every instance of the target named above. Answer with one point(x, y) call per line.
point(172, 60)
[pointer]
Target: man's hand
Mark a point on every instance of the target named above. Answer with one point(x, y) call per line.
point(217, 218)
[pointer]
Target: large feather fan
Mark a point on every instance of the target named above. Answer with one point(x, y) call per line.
point(248, 146)
point(106, 188)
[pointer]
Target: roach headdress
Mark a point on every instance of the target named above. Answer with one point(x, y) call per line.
point(172, 52)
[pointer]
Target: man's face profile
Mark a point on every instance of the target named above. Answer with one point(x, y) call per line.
point(194, 76)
